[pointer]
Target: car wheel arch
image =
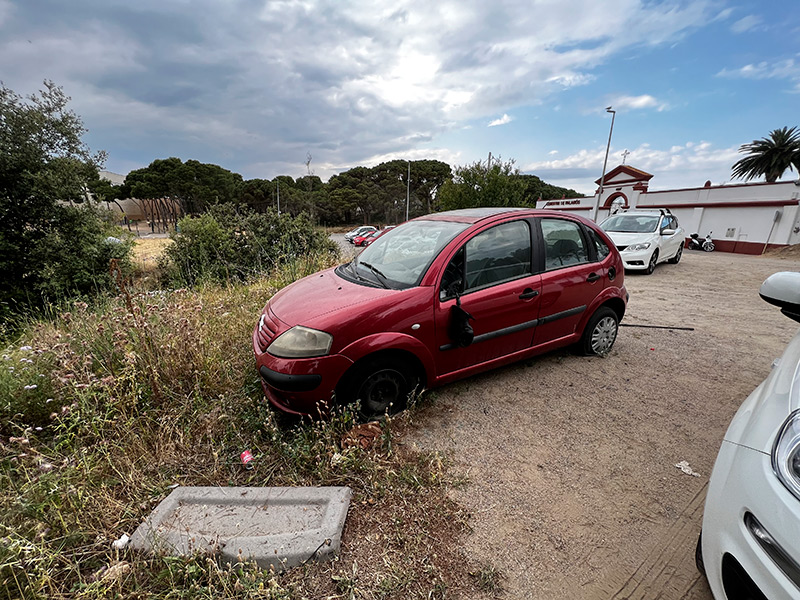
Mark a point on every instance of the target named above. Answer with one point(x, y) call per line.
point(394, 355)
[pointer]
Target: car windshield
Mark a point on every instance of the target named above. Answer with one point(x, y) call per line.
point(399, 258)
point(631, 223)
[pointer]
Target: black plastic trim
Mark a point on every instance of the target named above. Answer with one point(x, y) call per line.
point(563, 314)
point(290, 383)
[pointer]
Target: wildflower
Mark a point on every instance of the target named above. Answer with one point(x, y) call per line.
point(26, 348)
point(31, 387)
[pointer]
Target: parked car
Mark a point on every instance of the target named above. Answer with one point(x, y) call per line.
point(439, 298)
point(377, 234)
point(750, 541)
point(360, 240)
point(362, 230)
point(646, 237)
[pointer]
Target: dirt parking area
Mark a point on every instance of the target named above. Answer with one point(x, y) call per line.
point(570, 462)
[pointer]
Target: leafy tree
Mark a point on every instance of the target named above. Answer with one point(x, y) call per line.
point(194, 184)
point(770, 156)
point(48, 248)
point(536, 189)
point(494, 183)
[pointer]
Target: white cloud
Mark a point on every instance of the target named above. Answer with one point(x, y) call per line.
point(638, 103)
point(747, 23)
point(553, 152)
point(787, 69)
point(688, 165)
point(501, 121)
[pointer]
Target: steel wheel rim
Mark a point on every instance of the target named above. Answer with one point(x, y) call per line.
point(380, 391)
point(680, 251)
point(604, 334)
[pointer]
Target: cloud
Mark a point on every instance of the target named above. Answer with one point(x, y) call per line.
point(687, 165)
point(253, 84)
point(505, 119)
point(748, 23)
point(638, 103)
point(787, 69)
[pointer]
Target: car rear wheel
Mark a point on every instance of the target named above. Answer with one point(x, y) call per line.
point(600, 333)
point(651, 266)
point(677, 258)
point(698, 555)
point(381, 387)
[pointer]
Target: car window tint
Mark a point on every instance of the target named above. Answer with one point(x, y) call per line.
point(563, 244)
point(600, 247)
point(498, 254)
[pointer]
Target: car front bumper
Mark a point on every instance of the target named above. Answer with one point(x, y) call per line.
point(300, 386)
point(636, 261)
point(751, 529)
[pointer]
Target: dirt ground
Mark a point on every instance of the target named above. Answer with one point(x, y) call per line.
point(570, 461)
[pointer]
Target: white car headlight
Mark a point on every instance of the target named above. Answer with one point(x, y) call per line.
point(786, 454)
point(301, 342)
point(637, 247)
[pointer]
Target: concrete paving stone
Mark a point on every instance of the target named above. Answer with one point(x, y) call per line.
point(280, 527)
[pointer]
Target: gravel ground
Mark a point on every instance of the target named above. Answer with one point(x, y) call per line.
point(570, 461)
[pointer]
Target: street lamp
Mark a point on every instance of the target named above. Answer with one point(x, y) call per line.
point(408, 188)
point(605, 162)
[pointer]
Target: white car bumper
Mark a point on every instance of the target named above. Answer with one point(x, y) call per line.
point(636, 261)
point(751, 529)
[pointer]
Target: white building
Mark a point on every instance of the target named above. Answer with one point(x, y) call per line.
point(745, 218)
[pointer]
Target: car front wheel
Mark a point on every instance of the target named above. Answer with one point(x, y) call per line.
point(381, 387)
point(651, 266)
point(600, 333)
point(677, 258)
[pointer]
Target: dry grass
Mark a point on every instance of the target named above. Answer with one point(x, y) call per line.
point(147, 390)
point(146, 252)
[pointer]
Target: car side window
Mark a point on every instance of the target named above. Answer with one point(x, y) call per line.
point(600, 247)
point(564, 245)
point(498, 254)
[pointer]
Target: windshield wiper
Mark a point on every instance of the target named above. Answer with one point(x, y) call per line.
point(377, 273)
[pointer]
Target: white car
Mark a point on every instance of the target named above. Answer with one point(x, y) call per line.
point(750, 541)
point(645, 238)
point(362, 230)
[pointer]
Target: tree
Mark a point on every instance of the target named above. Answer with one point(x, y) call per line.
point(490, 183)
point(47, 247)
point(770, 156)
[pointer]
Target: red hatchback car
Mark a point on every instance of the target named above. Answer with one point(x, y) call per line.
point(436, 299)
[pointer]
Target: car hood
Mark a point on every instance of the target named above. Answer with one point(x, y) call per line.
point(347, 310)
point(626, 239)
point(760, 417)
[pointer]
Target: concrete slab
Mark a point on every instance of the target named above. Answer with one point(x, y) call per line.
point(278, 526)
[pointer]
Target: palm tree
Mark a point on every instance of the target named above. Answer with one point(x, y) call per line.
point(770, 156)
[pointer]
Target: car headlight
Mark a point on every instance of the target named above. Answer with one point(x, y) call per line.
point(637, 247)
point(301, 342)
point(786, 454)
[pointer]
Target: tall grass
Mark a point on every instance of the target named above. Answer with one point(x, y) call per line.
point(106, 407)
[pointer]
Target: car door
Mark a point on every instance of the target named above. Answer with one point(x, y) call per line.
point(492, 279)
point(571, 280)
point(670, 243)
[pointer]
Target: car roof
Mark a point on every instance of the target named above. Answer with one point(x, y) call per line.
point(470, 215)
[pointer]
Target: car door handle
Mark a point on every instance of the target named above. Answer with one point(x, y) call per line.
point(528, 293)
point(592, 277)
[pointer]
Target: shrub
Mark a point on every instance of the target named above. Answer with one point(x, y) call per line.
point(230, 244)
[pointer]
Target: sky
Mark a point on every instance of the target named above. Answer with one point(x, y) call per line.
point(258, 86)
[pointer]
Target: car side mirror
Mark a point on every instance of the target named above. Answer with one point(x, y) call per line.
point(783, 290)
point(668, 231)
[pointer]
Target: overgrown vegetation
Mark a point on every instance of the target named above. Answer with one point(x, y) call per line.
point(105, 407)
point(50, 249)
point(234, 244)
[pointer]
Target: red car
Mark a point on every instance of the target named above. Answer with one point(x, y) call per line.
point(442, 297)
point(361, 240)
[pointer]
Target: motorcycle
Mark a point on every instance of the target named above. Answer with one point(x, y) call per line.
point(706, 245)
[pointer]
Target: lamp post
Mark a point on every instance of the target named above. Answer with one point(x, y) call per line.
point(605, 163)
point(408, 188)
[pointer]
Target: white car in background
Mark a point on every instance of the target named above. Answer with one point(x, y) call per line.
point(645, 237)
point(750, 541)
point(362, 230)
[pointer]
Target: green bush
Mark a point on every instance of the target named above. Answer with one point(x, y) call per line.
point(230, 244)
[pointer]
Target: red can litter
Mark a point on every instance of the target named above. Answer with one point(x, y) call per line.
point(247, 457)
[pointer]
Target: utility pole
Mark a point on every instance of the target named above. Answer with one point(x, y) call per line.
point(279, 196)
point(605, 163)
point(408, 188)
